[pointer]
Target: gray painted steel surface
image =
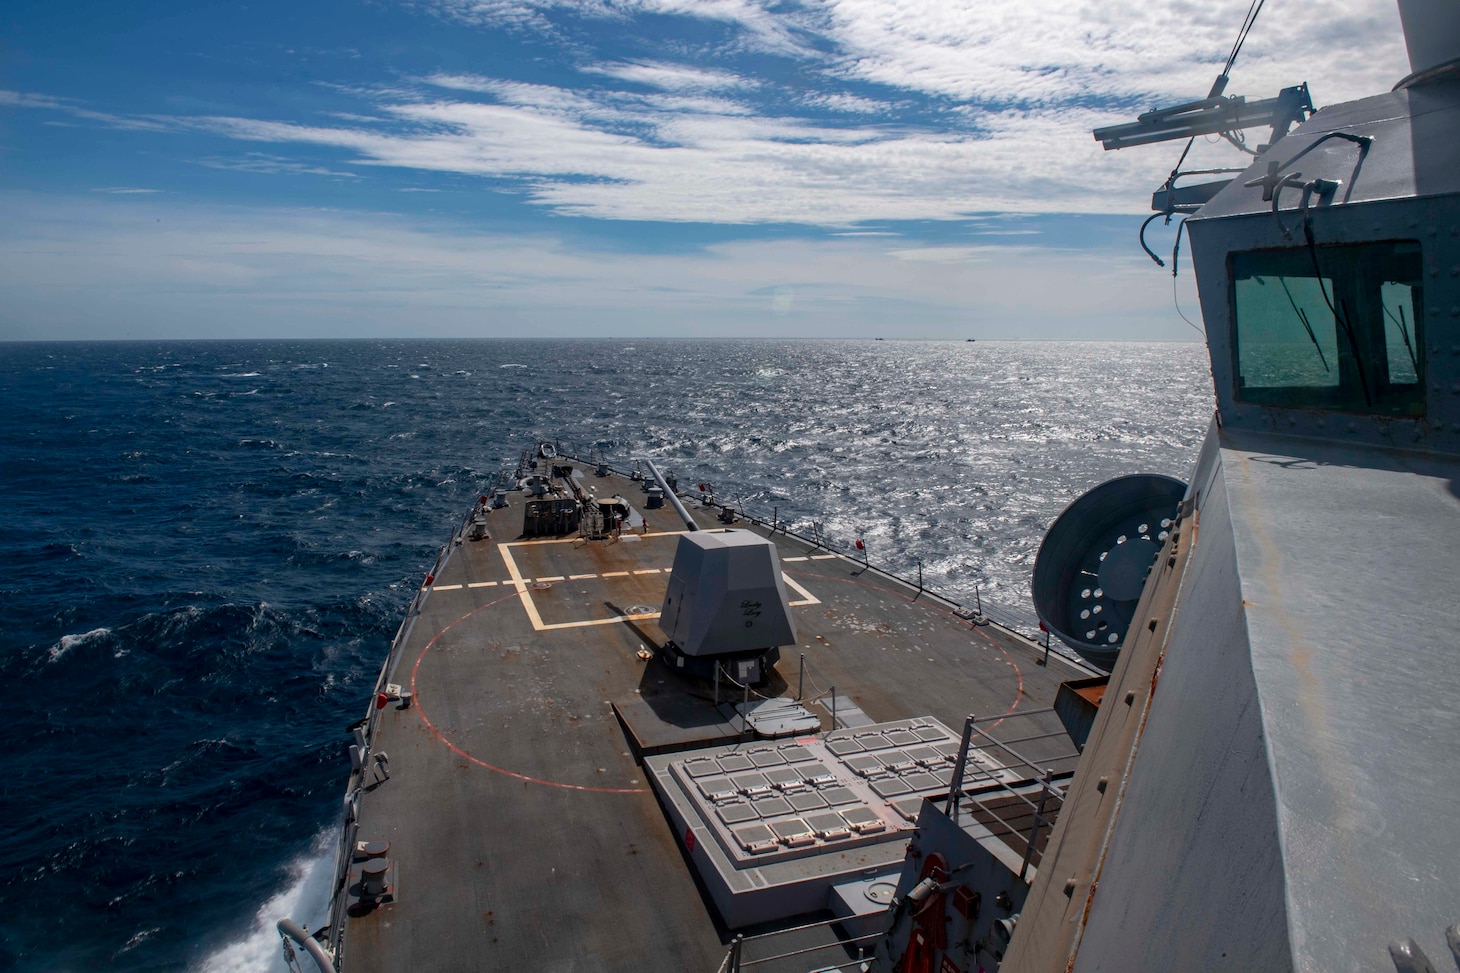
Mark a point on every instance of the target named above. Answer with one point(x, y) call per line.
point(524, 834)
point(726, 595)
point(1093, 562)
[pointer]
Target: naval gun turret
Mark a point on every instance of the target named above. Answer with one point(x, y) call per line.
point(726, 605)
point(725, 610)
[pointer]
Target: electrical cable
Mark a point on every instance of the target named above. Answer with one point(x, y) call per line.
point(1177, 301)
point(1252, 11)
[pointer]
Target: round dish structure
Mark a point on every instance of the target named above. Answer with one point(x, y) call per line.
point(1093, 562)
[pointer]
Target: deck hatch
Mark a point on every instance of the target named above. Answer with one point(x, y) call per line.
point(771, 806)
point(716, 788)
point(736, 813)
point(806, 801)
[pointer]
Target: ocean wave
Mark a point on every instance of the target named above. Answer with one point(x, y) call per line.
point(304, 897)
point(248, 595)
point(69, 642)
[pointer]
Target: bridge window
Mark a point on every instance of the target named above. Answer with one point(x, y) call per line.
point(1336, 327)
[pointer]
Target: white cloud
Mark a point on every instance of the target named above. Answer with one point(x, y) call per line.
point(88, 268)
point(670, 77)
point(764, 27)
point(985, 108)
point(271, 165)
point(1044, 52)
point(665, 158)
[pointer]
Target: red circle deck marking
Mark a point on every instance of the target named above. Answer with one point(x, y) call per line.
point(415, 695)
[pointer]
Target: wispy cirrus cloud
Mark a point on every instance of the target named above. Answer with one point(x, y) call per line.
point(1048, 52)
point(895, 110)
point(77, 109)
point(772, 27)
point(671, 77)
point(1039, 52)
point(261, 162)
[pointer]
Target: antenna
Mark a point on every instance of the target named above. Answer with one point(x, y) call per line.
point(1211, 116)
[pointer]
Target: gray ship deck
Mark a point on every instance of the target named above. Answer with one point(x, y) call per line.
point(523, 831)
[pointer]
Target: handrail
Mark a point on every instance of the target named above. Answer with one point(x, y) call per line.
point(1002, 616)
point(345, 851)
point(1043, 776)
point(735, 960)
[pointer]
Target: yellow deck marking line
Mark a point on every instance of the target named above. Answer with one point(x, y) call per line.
point(614, 574)
point(807, 598)
point(824, 557)
point(482, 584)
point(555, 577)
point(648, 571)
point(793, 559)
point(581, 577)
point(522, 593)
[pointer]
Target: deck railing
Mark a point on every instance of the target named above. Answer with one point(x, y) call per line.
point(736, 960)
point(1011, 618)
point(365, 732)
point(1006, 617)
point(977, 735)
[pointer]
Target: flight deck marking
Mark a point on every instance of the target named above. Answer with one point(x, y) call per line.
point(822, 557)
point(521, 585)
point(460, 752)
point(807, 598)
point(482, 584)
point(524, 593)
point(445, 587)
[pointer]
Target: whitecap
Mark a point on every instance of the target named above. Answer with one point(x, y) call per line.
point(140, 937)
point(69, 642)
point(304, 898)
point(512, 364)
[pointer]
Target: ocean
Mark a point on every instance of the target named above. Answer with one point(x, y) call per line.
point(210, 544)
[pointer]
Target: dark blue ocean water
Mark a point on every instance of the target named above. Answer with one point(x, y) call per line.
point(208, 546)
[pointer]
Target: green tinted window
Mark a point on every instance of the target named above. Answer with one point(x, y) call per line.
point(1333, 328)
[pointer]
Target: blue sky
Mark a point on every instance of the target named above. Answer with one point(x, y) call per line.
point(817, 168)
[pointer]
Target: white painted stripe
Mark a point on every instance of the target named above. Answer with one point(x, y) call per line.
point(555, 577)
point(824, 557)
point(445, 587)
point(521, 585)
point(482, 584)
point(581, 577)
point(616, 620)
point(807, 598)
point(648, 571)
point(793, 559)
point(614, 574)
